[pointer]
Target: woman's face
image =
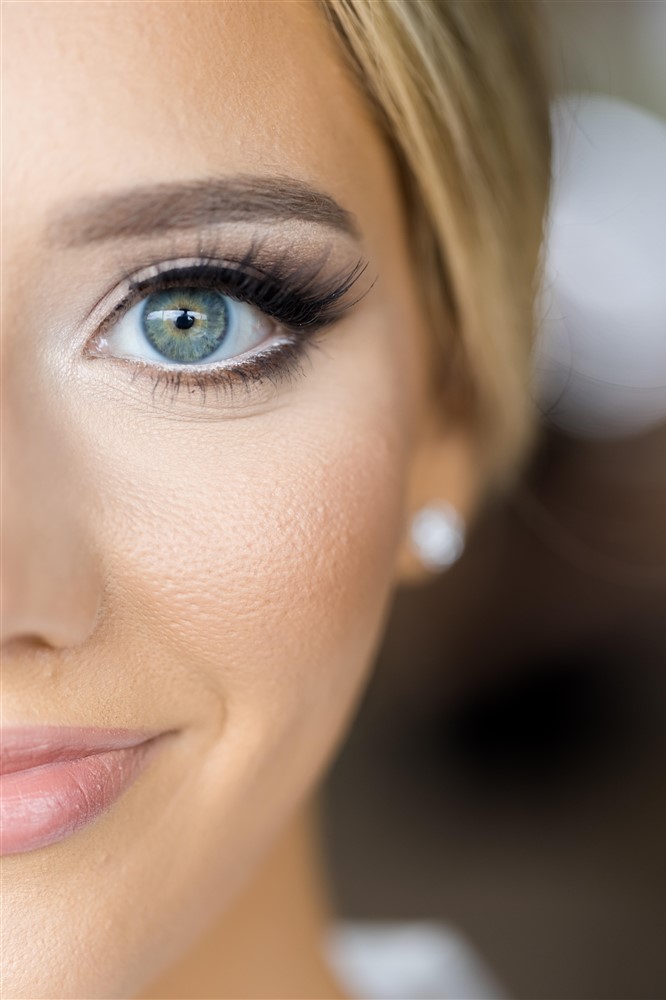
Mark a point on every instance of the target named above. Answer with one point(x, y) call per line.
point(206, 490)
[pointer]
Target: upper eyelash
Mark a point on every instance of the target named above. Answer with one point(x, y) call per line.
point(299, 299)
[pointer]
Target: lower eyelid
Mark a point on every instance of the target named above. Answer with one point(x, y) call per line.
point(281, 361)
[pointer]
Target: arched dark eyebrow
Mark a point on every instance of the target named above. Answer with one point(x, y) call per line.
point(147, 211)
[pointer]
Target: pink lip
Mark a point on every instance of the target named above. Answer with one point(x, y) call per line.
point(53, 780)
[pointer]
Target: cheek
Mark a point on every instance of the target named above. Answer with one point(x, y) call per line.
point(271, 551)
point(251, 559)
point(264, 546)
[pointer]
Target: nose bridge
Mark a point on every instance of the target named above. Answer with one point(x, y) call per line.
point(50, 577)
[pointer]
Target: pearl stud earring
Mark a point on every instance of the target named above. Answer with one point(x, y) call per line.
point(437, 535)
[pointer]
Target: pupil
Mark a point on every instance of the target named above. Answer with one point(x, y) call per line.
point(185, 321)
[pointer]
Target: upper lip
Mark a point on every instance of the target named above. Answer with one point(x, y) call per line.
point(24, 747)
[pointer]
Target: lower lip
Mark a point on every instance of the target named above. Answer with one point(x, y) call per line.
point(42, 805)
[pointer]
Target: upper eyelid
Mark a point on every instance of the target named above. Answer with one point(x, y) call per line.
point(132, 286)
point(127, 291)
point(140, 278)
point(266, 251)
point(135, 286)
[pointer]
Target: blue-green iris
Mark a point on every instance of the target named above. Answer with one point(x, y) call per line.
point(185, 325)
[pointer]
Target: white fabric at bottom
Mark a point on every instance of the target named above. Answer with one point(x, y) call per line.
point(407, 961)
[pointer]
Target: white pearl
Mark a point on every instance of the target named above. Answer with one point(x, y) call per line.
point(437, 535)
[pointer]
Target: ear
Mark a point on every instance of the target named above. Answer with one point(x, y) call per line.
point(447, 466)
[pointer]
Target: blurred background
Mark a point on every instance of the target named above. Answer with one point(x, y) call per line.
point(506, 773)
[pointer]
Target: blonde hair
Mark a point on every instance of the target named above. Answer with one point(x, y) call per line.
point(461, 88)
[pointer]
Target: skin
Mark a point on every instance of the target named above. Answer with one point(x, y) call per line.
point(220, 572)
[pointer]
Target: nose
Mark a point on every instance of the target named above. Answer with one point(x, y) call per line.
point(50, 585)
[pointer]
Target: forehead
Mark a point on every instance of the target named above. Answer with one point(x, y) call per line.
point(104, 96)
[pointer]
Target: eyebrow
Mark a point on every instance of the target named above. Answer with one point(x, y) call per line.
point(147, 211)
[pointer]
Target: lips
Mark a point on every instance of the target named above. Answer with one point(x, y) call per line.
point(54, 781)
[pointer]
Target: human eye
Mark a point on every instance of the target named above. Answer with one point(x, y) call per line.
point(200, 323)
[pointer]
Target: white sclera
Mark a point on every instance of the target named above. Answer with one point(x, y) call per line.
point(600, 357)
point(438, 536)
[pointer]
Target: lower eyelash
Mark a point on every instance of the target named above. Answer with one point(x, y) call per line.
point(276, 364)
